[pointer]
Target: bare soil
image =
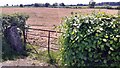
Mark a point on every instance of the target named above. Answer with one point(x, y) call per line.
point(47, 18)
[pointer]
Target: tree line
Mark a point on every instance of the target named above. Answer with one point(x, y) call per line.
point(38, 5)
point(91, 4)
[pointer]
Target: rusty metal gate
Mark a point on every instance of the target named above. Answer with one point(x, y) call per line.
point(47, 39)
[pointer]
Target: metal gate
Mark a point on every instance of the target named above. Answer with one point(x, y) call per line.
point(47, 39)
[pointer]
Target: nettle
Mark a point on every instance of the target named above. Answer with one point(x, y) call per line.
point(90, 40)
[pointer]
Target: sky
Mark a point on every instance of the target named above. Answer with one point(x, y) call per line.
point(15, 2)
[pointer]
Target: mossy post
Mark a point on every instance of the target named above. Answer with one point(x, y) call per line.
point(14, 39)
point(16, 21)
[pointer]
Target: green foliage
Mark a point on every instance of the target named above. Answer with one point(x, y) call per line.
point(43, 56)
point(17, 19)
point(90, 40)
point(7, 21)
point(35, 53)
point(14, 19)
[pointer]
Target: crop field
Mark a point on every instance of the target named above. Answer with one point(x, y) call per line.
point(47, 18)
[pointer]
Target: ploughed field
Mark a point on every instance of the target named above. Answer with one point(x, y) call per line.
point(47, 18)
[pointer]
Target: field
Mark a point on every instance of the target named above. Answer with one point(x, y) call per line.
point(47, 18)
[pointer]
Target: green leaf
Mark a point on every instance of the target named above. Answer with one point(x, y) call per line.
point(106, 36)
point(96, 34)
point(82, 62)
point(105, 40)
point(118, 57)
point(105, 61)
point(90, 55)
point(102, 47)
point(111, 49)
point(89, 49)
point(109, 52)
point(111, 42)
point(115, 39)
point(99, 42)
point(108, 44)
point(118, 36)
point(96, 60)
point(73, 33)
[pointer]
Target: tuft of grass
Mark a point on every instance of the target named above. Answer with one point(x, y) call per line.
point(43, 56)
point(36, 54)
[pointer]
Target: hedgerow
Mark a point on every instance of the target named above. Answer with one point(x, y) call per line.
point(91, 40)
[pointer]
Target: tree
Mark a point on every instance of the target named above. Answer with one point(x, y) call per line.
point(7, 5)
point(55, 4)
point(47, 4)
point(62, 4)
point(21, 5)
point(92, 4)
point(36, 5)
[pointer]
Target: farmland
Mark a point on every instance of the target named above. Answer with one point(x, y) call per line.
point(47, 18)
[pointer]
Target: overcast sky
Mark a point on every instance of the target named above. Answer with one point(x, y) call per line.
point(15, 2)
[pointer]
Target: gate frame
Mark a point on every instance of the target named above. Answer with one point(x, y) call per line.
point(49, 31)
